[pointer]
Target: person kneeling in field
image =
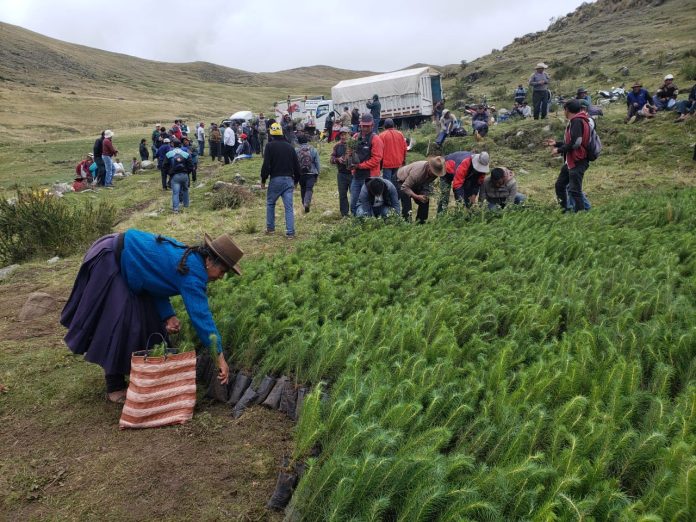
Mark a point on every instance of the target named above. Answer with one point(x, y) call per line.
point(121, 297)
point(415, 181)
point(378, 198)
point(499, 189)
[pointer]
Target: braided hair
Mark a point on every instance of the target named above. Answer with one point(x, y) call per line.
point(202, 250)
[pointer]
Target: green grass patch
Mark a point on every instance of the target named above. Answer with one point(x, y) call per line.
point(37, 223)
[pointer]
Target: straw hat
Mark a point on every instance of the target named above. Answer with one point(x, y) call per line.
point(542, 65)
point(226, 251)
point(108, 134)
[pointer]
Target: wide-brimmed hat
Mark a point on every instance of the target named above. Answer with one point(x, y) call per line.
point(437, 165)
point(481, 162)
point(541, 65)
point(91, 155)
point(225, 250)
point(581, 90)
point(669, 77)
point(167, 140)
point(108, 134)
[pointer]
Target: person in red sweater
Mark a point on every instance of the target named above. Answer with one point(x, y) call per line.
point(108, 153)
point(394, 150)
point(370, 150)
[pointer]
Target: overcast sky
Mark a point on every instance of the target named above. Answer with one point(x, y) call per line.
point(271, 35)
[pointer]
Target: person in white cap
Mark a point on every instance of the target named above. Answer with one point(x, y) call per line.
point(539, 82)
point(469, 177)
point(666, 96)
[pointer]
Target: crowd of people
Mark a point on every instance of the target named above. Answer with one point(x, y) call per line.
point(373, 178)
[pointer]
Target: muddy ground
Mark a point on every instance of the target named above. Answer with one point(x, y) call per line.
point(62, 456)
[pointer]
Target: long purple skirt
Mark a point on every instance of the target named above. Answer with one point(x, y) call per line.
point(106, 321)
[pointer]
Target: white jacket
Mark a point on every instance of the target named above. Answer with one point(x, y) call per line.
point(229, 138)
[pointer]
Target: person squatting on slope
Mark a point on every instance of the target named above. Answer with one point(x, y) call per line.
point(378, 198)
point(121, 296)
point(499, 189)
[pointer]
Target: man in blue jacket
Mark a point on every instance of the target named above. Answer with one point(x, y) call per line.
point(635, 101)
point(378, 198)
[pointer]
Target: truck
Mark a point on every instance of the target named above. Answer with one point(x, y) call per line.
point(407, 96)
point(311, 110)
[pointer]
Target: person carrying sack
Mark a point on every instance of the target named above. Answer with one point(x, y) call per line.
point(121, 297)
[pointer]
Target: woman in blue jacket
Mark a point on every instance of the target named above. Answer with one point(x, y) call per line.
point(121, 297)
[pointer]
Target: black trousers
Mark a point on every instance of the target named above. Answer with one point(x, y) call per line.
point(101, 170)
point(228, 153)
point(540, 102)
point(407, 205)
point(572, 179)
point(215, 150)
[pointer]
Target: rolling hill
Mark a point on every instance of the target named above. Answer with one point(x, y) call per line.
point(50, 84)
point(591, 47)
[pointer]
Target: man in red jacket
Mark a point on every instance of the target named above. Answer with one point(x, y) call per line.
point(370, 150)
point(574, 150)
point(469, 176)
point(394, 150)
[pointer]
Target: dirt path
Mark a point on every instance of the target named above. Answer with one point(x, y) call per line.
point(62, 456)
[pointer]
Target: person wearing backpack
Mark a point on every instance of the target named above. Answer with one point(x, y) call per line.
point(309, 170)
point(178, 165)
point(369, 151)
point(576, 148)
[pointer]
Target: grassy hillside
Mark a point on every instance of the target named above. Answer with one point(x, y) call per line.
point(524, 365)
point(589, 47)
point(51, 89)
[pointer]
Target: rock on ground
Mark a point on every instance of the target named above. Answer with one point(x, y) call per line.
point(5, 272)
point(37, 305)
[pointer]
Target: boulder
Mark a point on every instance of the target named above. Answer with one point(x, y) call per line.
point(37, 305)
point(147, 165)
point(219, 185)
point(5, 272)
point(53, 260)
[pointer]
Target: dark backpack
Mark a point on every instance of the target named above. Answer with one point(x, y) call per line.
point(364, 147)
point(304, 155)
point(594, 145)
point(177, 163)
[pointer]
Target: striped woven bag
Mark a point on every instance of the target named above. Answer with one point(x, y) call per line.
point(161, 391)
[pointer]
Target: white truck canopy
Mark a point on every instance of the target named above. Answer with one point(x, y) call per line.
point(395, 83)
point(242, 115)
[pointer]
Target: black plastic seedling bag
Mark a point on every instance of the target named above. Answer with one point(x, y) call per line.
point(247, 400)
point(301, 392)
point(283, 491)
point(273, 399)
point(264, 389)
point(241, 383)
point(203, 369)
point(217, 391)
point(288, 400)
